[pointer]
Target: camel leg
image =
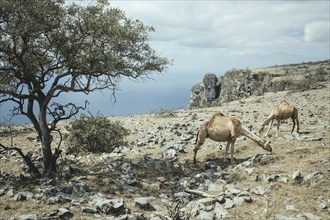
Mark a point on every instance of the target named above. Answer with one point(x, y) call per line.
point(294, 124)
point(232, 152)
point(201, 136)
point(297, 124)
point(278, 127)
point(226, 152)
point(195, 151)
point(270, 127)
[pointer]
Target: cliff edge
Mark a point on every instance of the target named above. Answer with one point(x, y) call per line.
point(237, 84)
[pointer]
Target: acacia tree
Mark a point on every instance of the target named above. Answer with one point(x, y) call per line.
point(48, 48)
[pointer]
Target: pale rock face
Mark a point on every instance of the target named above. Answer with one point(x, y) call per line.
point(210, 87)
point(196, 95)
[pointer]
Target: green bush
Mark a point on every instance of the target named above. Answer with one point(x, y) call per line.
point(94, 134)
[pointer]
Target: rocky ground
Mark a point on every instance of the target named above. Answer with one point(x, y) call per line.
point(153, 177)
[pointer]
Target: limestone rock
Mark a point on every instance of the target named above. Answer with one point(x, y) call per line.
point(28, 217)
point(61, 213)
point(308, 216)
point(144, 203)
point(258, 190)
point(109, 206)
point(297, 177)
point(220, 212)
point(211, 90)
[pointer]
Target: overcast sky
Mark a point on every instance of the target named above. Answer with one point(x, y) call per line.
point(216, 36)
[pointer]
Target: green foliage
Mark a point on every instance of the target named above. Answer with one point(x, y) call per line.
point(95, 134)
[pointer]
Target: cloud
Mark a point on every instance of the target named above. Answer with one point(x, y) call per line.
point(316, 31)
point(207, 36)
point(234, 26)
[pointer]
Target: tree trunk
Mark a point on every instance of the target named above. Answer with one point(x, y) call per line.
point(49, 161)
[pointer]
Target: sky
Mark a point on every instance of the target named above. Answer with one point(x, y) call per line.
point(211, 36)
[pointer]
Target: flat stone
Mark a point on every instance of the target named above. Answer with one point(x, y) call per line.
point(61, 213)
point(169, 154)
point(232, 189)
point(242, 198)
point(229, 203)
point(308, 216)
point(244, 164)
point(308, 177)
point(182, 195)
point(297, 177)
point(283, 178)
point(19, 197)
point(193, 207)
point(290, 207)
point(28, 217)
point(204, 215)
point(282, 217)
point(220, 212)
point(64, 213)
point(222, 198)
point(215, 187)
point(207, 201)
point(249, 170)
point(259, 190)
point(90, 210)
point(4, 190)
point(144, 203)
point(108, 206)
point(271, 177)
point(321, 203)
point(238, 201)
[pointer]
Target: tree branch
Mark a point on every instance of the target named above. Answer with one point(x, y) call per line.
point(59, 113)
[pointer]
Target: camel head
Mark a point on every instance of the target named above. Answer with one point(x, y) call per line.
point(267, 146)
point(261, 127)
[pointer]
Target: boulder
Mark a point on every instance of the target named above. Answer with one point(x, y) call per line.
point(109, 206)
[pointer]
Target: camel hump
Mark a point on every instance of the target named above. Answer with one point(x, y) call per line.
point(235, 121)
point(284, 102)
point(214, 116)
point(237, 126)
point(218, 114)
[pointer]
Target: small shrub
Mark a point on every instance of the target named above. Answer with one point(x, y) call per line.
point(321, 74)
point(95, 134)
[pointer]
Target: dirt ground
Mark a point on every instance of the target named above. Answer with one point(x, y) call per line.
point(306, 152)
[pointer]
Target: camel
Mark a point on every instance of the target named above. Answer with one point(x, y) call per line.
point(282, 111)
point(221, 128)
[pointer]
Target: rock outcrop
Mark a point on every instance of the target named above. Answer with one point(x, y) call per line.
point(205, 92)
point(238, 84)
